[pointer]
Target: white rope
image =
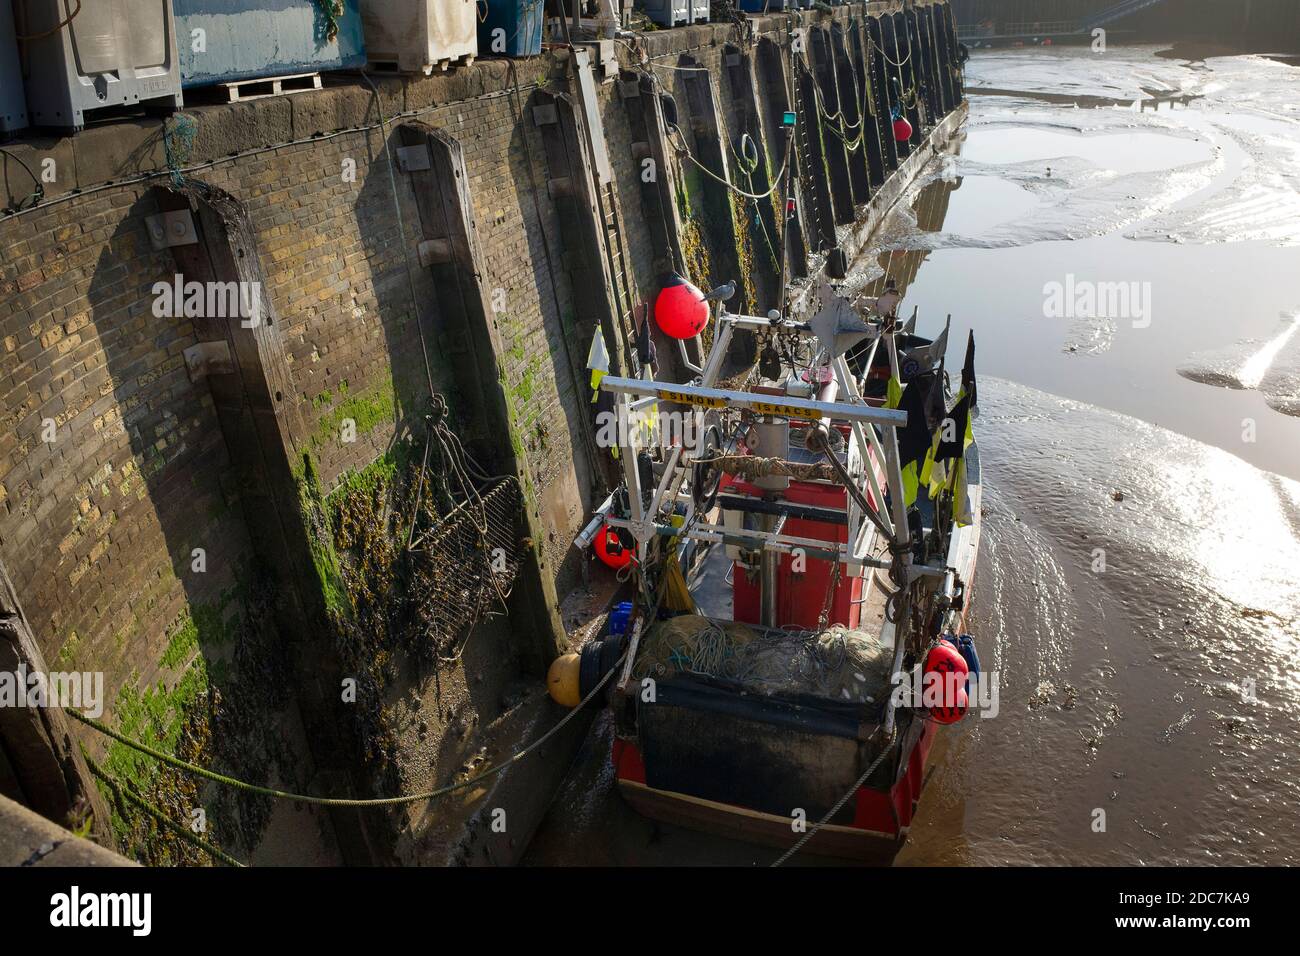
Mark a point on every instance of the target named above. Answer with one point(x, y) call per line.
point(899, 65)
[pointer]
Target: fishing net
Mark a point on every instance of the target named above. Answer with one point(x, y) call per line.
point(837, 663)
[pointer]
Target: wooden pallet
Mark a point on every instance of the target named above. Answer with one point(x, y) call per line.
point(271, 86)
point(393, 66)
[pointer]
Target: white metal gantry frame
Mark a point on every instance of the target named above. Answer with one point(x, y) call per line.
point(645, 522)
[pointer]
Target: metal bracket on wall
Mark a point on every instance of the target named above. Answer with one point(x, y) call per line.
point(559, 186)
point(173, 228)
point(603, 57)
point(209, 358)
point(413, 159)
point(435, 252)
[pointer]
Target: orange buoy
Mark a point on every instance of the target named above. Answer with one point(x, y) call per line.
point(680, 309)
point(562, 680)
point(610, 549)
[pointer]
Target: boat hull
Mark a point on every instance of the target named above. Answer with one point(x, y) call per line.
point(871, 828)
point(741, 765)
point(751, 826)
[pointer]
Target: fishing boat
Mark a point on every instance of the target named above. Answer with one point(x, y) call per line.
point(797, 548)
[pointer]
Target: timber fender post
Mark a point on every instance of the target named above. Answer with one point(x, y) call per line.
point(46, 763)
point(851, 103)
point(446, 206)
point(831, 120)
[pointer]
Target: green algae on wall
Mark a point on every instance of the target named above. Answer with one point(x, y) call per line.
point(370, 582)
point(320, 536)
point(744, 253)
point(365, 409)
point(216, 706)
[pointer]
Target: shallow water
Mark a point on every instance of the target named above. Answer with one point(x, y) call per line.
point(1122, 229)
point(1138, 591)
point(1127, 634)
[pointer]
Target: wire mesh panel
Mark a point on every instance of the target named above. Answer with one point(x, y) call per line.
point(466, 564)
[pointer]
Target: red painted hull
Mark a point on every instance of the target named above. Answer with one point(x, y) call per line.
point(881, 818)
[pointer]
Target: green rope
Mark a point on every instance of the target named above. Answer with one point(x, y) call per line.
point(178, 142)
point(835, 122)
point(123, 794)
point(331, 10)
point(336, 801)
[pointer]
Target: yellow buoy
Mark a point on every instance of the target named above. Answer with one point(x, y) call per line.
point(562, 680)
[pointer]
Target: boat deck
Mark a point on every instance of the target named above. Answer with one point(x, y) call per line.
point(710, 585)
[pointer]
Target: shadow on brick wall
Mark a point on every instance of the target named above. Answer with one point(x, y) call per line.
point(203, 672)
point(565, 442)
point(435, 706)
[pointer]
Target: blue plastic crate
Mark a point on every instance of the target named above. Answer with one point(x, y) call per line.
point(511, 27)
point(256, 39)
point(667, 13)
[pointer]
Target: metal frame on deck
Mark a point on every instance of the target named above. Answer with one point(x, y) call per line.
point(657, 516)
point(653, 517)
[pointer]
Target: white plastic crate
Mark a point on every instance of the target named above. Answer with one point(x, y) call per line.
point(415, 36)
point(110, 53)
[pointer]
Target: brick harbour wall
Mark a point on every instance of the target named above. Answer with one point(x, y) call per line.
point(98, 526)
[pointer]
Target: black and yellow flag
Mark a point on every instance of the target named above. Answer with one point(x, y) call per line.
point(922, 399)
point(945, 465)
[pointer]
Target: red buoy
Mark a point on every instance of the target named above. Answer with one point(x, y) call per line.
point(944, 657)
point(902, 129)
point(680, 309)
point(951, 714)
point(611, 549)
point(945, 677)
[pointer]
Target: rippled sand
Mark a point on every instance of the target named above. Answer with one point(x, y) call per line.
point(1127, 635)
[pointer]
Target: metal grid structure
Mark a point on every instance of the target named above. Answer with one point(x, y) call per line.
point(466, 565)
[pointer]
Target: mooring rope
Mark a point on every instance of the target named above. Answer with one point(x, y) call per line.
point(122, 792)
point(684, 150)
point(836, 122)
point(839, 804)
point(339, 801)
point(838, 115)
point(899, 65)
